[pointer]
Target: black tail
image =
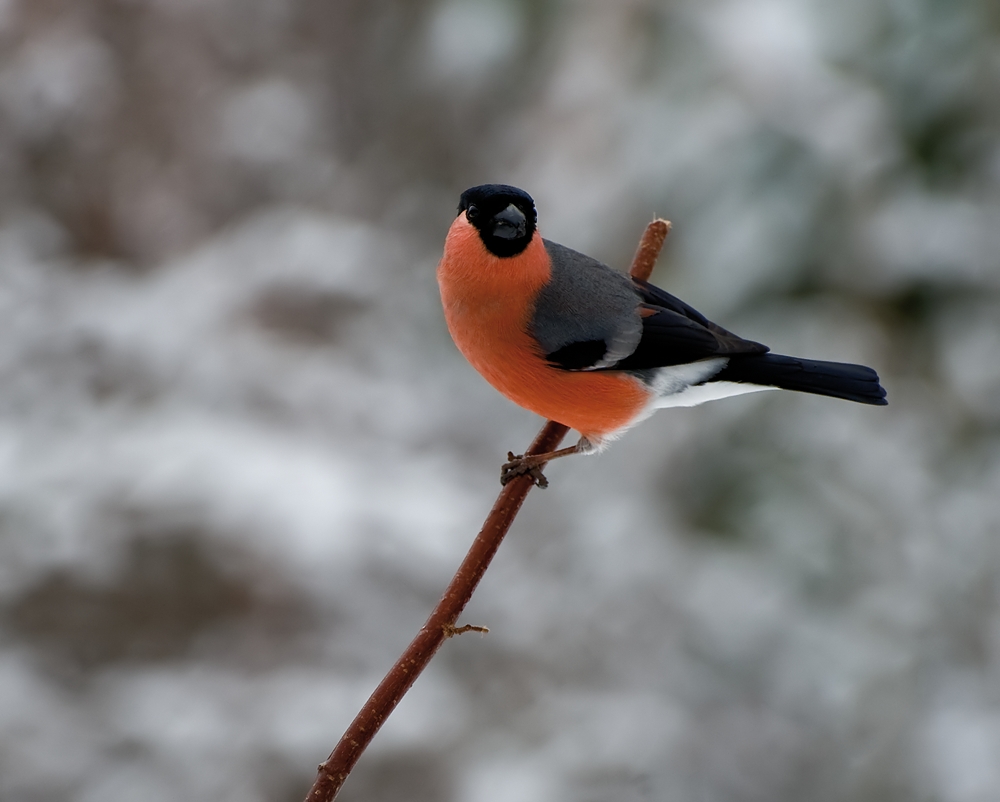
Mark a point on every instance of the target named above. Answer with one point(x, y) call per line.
point(835, 379)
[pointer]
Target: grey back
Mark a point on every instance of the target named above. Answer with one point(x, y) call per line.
point(586, 301)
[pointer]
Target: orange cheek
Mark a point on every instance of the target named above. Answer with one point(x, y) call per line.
point(488, 301)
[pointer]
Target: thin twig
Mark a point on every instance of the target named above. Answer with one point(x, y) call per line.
point(441, 625)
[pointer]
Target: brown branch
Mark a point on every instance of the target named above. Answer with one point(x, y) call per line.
point(441, 624)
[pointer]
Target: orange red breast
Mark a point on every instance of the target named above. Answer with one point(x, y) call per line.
point(488, 305)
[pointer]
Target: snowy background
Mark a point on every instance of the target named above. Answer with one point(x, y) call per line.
point(240, 457)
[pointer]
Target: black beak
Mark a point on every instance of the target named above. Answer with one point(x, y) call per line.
point(510, 223)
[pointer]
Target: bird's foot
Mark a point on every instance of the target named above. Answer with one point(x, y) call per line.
point(520, 465)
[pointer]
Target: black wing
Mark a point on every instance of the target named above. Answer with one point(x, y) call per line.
point(663, 299)
point(674, 333)
point(590, 317)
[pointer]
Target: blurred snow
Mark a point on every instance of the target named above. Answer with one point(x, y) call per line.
point(54, 82)
point(269, 122)
point(468, 38)
point(240, 458)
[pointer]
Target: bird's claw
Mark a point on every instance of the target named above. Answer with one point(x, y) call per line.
point(520, 465)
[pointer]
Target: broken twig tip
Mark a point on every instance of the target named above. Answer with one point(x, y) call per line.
point(649, 248)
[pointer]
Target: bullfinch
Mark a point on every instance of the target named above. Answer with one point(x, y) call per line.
point(575, 341)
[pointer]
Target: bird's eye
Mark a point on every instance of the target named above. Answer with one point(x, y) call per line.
point(472, 213)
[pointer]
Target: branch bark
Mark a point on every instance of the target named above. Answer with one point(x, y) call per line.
point(441, 624)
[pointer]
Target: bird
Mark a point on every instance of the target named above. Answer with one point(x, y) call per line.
point(578, 342)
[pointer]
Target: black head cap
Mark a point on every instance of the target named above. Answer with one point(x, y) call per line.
point(504, 216)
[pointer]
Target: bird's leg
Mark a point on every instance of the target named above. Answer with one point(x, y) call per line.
point(532, 464)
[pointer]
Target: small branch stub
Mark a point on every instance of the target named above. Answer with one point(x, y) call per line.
point(451, 631)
